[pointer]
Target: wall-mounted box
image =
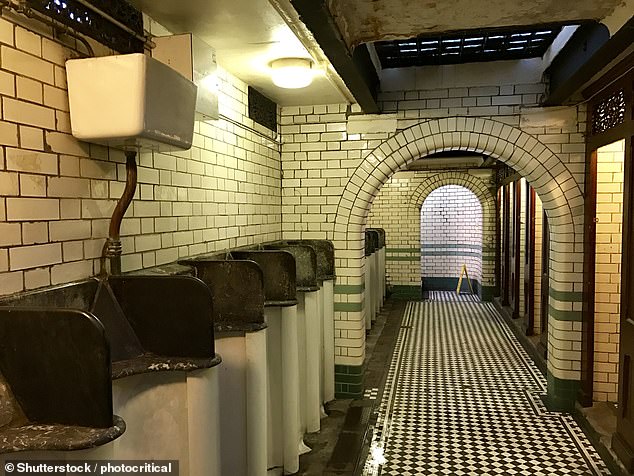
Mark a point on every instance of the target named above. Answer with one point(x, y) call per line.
point(130, 101)
point(196, 60)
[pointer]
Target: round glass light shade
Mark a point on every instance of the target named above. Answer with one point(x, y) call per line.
point(292, 73)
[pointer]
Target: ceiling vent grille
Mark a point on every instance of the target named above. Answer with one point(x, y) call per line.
point(89, 22)
point(468, 46)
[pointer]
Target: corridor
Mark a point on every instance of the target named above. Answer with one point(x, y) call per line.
point(463, 398)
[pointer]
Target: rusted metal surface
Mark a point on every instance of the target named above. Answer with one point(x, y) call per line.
point(278, 268)
point(325, 252)
point(381, 239)
point(56, 362)
point(161, 317)
point(112, 247)
point(371, 241)
point(77, 295)
point(169, 269)
point(237, 288)
point(305, 264)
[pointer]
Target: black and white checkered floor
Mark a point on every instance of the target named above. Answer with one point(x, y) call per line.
point(463, 398)
point(452, 296)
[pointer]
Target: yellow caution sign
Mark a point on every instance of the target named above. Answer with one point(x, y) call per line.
point(464, 273)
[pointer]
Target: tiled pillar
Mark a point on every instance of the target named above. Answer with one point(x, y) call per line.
point(349, 314)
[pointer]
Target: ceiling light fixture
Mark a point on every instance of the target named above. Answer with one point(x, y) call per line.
point(292, 73)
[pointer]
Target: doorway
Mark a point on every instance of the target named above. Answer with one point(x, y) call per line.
point(451, 237)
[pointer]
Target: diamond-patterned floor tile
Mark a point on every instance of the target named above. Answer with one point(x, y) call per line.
point(462, 398)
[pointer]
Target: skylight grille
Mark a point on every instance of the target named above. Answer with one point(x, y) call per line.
point(468, 46)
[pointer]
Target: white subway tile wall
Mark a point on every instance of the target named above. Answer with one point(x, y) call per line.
point(58, 193)
point(397, 208)
point(607, 306)
point(451, 233)
point(330, 182)
point(228, 189)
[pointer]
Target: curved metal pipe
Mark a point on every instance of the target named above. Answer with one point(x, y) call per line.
point(112, 247)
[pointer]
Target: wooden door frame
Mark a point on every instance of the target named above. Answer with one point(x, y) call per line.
point(517, 243)
point(619, 443)
point(595, 141)
point(498, 243)
point(615, 130)
point(586, 390)
point(545, 257)
point(529, 262)
point(506, 223)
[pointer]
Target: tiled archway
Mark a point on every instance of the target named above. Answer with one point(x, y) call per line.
point(487, 200)
point(561, 197)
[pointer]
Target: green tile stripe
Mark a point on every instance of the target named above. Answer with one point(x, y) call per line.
point(441, 245)
point(349, 370)
point(348, 381)
point(565, 296)
point(403, 291)
point(349, 288)
point(402, 254)
point(414, 254)
point(452, 253)
point(470, 246)
point(562, 393)
point(559, 315)
point(488, 292)
point(348, 392)
point(349, 306)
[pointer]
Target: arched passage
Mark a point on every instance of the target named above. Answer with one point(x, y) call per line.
point(397, 209)
point(487, 201)
point(451, 240)
point(553, 182)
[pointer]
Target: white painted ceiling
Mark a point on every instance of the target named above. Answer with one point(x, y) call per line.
point(247, 35)
point(362, 21)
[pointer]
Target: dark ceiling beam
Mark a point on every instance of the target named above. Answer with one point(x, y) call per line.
point(356, 69)
point(589, 51)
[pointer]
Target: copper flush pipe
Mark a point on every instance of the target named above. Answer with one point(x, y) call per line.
point(112, 248)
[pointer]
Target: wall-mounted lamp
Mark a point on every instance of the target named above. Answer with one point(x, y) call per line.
point(292, 73)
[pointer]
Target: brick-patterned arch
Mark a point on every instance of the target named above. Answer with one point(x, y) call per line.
point(487, 200)
point(464, 179)
point(544, 170)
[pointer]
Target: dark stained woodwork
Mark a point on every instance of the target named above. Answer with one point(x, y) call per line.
point(529, 264)
point(589, 283)
point(515, 244)
point(545, 277)
point(506, 258)
point(605, 87)
point(623, 440)
point(498, 243)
